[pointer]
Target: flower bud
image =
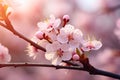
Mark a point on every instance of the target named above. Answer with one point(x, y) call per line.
point(75, 57)
point(66, 18)
point(39, 35)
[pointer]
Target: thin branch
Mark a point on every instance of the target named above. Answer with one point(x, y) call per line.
point(29, 41)
point(71, 63)
point(9, 27)
point(104, 73)
point(3, 25)
point(40, 65)
point(92, 71)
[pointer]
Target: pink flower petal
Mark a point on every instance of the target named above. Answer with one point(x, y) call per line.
point(56, 23)
point(67, 56)
point(62, 38)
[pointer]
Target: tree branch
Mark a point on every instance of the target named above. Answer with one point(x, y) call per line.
point(40, 65)
point(9, 27)
point(93, 71)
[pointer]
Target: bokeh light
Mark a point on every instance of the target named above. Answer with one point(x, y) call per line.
point(90, 5)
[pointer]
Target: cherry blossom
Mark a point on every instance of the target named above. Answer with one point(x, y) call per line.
point(57, 52)
point(49, 28)
point(69, 34)
point(33, 51)
point(4, 55)
point(91, 45)
point(61, 41)
point(49, 24)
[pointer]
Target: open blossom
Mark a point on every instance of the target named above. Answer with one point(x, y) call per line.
point(49, 24)
point(57, 52)
point(48, 28)
point(91, 45)
point(69, 34)
point(4, 54)
point(33, 51)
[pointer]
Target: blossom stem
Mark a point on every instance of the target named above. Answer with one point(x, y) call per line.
point(93, 71)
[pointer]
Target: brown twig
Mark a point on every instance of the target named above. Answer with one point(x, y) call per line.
point(93, 71)
point(9, 27)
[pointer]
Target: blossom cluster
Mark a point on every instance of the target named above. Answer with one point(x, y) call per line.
point(61, 40)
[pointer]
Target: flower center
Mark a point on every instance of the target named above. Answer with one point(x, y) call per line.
point(60, 52)
point(70, 37)
point(90, 46)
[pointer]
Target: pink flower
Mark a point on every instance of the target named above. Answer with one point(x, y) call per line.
point(91, 45)
point(33, 51)
point(69, 34)
point(49, 24)
point(57, 52)
point(4, 55)
point(49, 28)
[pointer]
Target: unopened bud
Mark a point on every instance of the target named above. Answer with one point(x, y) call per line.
point(76, 57)
point(39, 35)
point(66, 18)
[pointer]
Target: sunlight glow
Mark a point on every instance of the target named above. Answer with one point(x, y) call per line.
point(16, 3)
point(21, 2)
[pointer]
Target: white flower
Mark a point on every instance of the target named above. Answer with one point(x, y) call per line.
point(4, 54)
point(33, 51)
point(91, 45)
point(69, 34)
point(49, 28)
point(49, 24)
point(57, 52)
point(54, 22)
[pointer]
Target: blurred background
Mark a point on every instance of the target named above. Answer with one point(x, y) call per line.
point(100, 18)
